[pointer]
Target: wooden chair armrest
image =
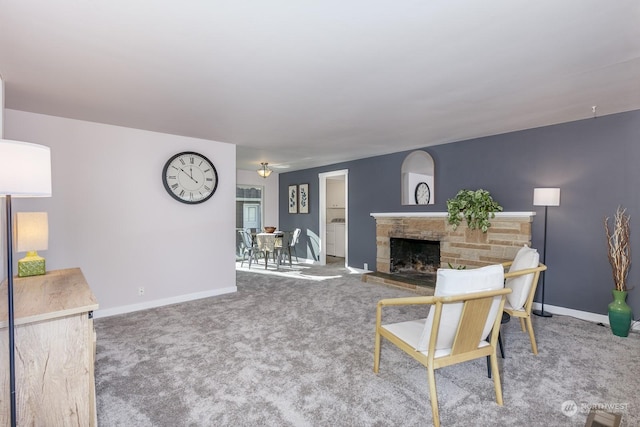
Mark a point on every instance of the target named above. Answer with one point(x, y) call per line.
point(464, 297)
point(427, 300)
point(407, 301)
point(541, 267)
point(423, 300)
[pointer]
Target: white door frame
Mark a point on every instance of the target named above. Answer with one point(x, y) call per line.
point(322, 227)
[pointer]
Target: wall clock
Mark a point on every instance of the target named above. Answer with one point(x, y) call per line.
point(190, 177)
point(422, 194)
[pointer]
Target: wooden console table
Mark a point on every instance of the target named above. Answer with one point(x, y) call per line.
point(55, 350)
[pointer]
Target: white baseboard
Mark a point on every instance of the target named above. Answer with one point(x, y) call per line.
point(160, 302)
point(584, 315)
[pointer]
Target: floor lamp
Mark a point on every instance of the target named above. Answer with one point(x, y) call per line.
point(545, 197)
point(25, 171)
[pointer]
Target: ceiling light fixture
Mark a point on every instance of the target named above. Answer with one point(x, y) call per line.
point(264, 171)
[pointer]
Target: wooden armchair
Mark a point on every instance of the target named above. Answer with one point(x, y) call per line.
point(520, 302)
point(457, 327)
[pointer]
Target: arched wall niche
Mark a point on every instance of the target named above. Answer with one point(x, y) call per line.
point(418, 170)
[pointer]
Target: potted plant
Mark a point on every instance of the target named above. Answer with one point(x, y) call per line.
point(476, 206)
point(458, 267)
point(619, 253)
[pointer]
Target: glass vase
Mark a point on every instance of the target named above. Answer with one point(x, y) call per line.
point(619, 314)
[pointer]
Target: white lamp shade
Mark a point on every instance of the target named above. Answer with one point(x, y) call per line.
point(264, 171)
point(546, 197)
point(32, 231)
point(25, 169)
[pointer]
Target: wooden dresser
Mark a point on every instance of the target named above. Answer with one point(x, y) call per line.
point(55, 350)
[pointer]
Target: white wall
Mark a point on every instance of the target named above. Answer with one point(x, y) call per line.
point(111, 216)
point(270, 192)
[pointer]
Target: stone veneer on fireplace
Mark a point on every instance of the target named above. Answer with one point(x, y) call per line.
point(460, 247)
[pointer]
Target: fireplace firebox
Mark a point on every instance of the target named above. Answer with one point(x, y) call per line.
point(414, 259)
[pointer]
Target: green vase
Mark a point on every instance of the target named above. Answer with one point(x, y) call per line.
point(619, 314)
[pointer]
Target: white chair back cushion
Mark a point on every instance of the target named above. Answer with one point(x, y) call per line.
point(456, 282)
point(521, 286)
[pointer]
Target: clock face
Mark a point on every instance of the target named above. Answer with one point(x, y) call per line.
point(423, 194)
point(190, 177)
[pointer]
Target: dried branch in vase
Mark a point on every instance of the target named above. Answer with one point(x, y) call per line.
point(619, 248)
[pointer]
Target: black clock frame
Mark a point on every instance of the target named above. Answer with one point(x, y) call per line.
point(415, 194)
point(168, 188)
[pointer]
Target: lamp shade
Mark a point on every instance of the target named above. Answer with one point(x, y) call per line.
point(546, 197)
point(32, 231)
point(25, 169)
point(264, 171)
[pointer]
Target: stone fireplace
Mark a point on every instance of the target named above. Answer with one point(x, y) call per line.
point(460, 247)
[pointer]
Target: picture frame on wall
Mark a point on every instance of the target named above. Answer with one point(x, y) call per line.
point(303, 198)
point(293, 199)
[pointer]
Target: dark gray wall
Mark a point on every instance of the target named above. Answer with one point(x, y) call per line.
point(595, 162)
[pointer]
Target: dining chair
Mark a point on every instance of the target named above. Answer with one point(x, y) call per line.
point(270, 244)
point(291, 244)
point(249, 248)
point(466, 308)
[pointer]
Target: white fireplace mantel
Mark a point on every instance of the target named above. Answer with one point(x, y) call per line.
point(444, 214)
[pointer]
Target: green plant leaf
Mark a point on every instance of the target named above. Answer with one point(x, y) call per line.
point(476, 206)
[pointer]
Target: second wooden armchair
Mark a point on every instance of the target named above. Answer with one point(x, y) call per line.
point(522, 277)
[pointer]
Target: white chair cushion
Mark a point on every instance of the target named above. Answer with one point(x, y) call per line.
point(410, 332)
point(456, 282)
point(507, 306)
point(520, 286)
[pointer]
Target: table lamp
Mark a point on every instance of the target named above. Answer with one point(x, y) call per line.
point(32, 235)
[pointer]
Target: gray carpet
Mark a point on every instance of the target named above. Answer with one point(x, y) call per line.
point(296, 349)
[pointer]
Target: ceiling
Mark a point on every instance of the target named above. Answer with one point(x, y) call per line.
point(300, 84)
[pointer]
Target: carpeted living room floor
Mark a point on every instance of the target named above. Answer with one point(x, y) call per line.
point(295, 348)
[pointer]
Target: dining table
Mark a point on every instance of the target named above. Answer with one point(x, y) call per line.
point(272, 243)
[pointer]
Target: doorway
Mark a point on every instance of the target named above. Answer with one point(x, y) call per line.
point(334, 215)
point(249, 211)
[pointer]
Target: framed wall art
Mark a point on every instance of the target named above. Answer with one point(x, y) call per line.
point(303, 198)
point(293, 199)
